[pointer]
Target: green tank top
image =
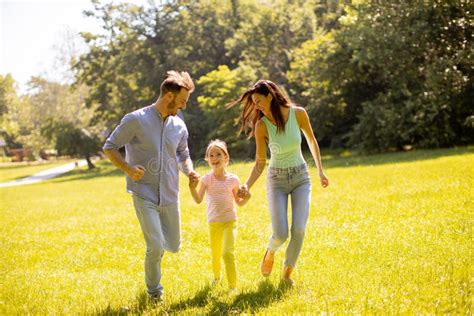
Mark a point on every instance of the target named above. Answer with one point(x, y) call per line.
point(285, 148)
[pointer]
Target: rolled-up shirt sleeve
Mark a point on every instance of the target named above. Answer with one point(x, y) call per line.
point(122, 134)
point(182, 154)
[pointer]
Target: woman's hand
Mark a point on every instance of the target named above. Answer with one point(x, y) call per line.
point(324, 180)
point(243, 191)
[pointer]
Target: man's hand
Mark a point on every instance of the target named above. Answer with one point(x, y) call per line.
point(193, 182)
point(193, 177)
point(136, 172)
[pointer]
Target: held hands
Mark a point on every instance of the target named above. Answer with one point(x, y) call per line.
point(136, 172)
point(243, 195)
point(193, 179)
point(243, 192)
point(247, 196)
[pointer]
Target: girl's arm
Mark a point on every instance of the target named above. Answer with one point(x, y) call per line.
point(197, 195)
point(240, 201)
point(305, 126)
point(260, 155)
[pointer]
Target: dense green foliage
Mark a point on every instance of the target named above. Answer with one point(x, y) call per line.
point(52, 115)
point(392, 75)
point(72, 140)
point(9, 111)
point(372, 75)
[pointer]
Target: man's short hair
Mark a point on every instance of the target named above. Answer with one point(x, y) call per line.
point(175, 80)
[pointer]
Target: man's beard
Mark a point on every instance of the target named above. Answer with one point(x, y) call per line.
point(172, 104)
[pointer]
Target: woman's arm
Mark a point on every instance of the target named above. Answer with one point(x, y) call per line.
point(240, 201)
point(260, 155)
point(305, 126)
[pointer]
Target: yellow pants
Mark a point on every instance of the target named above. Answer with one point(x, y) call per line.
point(222, 237)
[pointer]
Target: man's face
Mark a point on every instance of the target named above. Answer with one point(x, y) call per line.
point(178, 102)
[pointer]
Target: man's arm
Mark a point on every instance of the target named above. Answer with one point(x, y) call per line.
point(122, 135)
point(186, 166)
point(134, 172)
point(184, 159)
point(182, 154)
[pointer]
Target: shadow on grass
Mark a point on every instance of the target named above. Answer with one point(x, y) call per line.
point(251, 301)
point(264, 296)
point(341, 159)
point(331, 159)
point(86, 174)
point(143, 303)
point(200, 299)
point(344, 158)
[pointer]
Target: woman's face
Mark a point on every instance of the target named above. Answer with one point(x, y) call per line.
point(262, 103)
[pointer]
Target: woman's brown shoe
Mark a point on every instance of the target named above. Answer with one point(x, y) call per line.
point(286, 275)
point(267, 263)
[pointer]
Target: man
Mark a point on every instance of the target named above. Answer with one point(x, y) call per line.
point(156, 145)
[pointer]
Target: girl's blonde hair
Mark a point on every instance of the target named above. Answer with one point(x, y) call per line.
point(219, 144)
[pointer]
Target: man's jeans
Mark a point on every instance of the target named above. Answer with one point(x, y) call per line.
point(282, 182)
point(161, 227)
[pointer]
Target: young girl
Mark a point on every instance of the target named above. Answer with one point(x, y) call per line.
point(221, 188)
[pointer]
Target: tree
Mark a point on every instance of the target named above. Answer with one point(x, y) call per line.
point(10, 111)
point(126, 64)
point(70, 139)
point(52, 115)
point(373, 75)
point(63, 119)
point(220, 87)
point(422, 56)
point(398, 73)
point(268, 34)
point(314, 88)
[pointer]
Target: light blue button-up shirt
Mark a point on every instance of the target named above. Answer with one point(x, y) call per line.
point(161, 146)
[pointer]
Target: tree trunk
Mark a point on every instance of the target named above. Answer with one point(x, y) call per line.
point(90, 165)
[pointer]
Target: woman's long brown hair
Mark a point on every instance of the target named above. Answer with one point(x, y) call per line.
point(250, 115)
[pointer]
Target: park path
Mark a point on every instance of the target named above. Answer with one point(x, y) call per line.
point(44, 175)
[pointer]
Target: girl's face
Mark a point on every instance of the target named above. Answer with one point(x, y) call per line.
point(217, 158)
point(262, 103)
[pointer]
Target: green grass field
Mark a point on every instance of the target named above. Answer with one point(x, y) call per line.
point(391, 234)
point(15, 171)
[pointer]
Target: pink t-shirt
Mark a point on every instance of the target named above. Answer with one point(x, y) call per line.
point(220, 198)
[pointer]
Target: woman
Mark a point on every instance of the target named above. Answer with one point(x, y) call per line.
point(269, 116)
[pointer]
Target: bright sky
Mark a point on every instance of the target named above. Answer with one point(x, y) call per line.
point(30, 30)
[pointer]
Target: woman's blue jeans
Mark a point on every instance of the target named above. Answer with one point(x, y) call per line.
point(281, 183)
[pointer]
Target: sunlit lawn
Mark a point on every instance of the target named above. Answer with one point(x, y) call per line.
point(14, 171)
point(392, 234)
